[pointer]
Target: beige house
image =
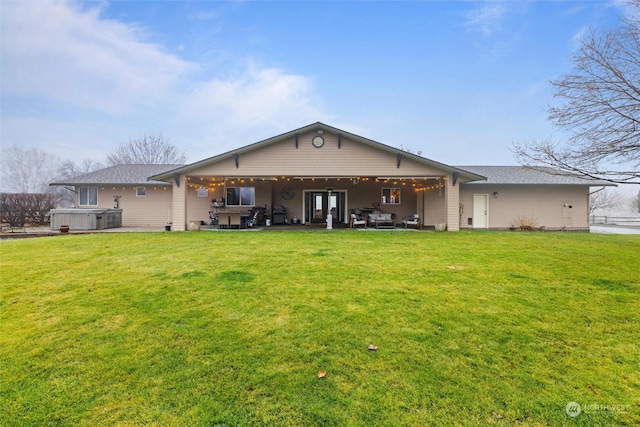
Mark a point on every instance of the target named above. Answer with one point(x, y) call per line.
point(125, 188)
point(517, 197)
point(319, 174)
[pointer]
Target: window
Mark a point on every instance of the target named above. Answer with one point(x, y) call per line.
point(141, 191)
point(203, 192)
point(391, 196)
point(241, 196)
point(88, 196)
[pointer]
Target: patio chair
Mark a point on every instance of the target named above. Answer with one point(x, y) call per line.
point(413, 221)
point(251, 220)
point(356, 220)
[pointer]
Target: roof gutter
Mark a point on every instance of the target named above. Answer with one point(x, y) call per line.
point(597, 191)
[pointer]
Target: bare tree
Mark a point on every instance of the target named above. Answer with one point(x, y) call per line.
point(148, 149)
point(69, 168)
point(27, 170)
point(634, 203)
point(600, 108)
point(604, 199)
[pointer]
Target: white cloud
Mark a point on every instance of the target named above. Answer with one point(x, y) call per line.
point(258, 95)
point(54, 50)
point(487, 18)
point(220, 114)
point(68, 65)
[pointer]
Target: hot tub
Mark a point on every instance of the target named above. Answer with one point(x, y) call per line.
point(86, 219)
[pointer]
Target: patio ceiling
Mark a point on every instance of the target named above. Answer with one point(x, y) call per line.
point(418, 183)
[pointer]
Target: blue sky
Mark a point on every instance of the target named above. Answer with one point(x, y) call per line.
point(459, 81)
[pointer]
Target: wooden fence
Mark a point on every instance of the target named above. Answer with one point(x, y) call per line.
point(615, 220)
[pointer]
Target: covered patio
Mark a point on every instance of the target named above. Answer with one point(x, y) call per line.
point(238, 202)
point(302, 176)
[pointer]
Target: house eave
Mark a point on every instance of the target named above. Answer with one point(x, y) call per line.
point(84, 184)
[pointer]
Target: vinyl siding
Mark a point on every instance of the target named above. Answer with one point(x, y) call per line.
point(554, 207)
point(148, 211)
point(283, 159)
point(179, 206)
point(435, 207)
point(452, 202)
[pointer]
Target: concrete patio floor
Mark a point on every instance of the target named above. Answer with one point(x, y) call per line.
point(26, 232)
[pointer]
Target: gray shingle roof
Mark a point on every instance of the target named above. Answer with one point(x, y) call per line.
point(138, 174)
point(528, 175)
point(120, 174)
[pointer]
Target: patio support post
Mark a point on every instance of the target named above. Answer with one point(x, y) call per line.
point(329, 215)
point(179, 203)
point(452, 201)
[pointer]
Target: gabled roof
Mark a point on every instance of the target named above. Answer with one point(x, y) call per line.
point(119, 174)
point(167, 175)
point(530, 175)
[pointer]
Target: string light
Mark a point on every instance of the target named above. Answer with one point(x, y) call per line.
point(430, 187)
point(213, 183)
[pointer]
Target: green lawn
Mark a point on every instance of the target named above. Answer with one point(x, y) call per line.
point(232, 328)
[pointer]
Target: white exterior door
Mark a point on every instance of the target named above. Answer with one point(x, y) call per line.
point(480, 211)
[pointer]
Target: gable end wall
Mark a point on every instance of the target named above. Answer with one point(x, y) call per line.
point(349, 158)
